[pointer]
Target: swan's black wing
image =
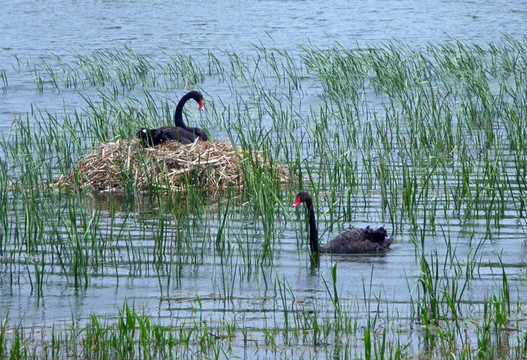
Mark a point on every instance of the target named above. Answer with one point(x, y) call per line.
point(199, 133)
point(154, 137)
point(358, 241)
point(177, 134)
point(151, 137)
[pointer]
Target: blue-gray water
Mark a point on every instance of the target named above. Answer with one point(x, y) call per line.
point(40, 29)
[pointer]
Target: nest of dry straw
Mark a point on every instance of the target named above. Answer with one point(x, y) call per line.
point(211, 165)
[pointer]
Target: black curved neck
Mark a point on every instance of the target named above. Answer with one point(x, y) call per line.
point(313, 233)
point(178, 114)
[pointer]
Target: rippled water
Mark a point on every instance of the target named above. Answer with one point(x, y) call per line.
point(32, 30)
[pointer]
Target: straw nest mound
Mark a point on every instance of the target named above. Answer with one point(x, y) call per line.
point(211, 165)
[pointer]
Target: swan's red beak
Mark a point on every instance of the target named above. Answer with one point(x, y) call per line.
point(297, 202)
point(201, 105)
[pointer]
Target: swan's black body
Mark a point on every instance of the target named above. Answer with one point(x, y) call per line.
point(178, 114)
point(154, 137)
point(349, 242)
point(180, 132)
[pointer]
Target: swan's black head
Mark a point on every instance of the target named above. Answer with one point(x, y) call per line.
point(196, 95)
point(301, 197)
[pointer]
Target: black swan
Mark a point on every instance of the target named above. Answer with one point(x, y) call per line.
point(178, 114)
point(154, 137)
point(349, 242)
point(179, 132)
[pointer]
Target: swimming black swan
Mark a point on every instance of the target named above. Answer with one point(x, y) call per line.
point(349, 242)
point(154, 137)
point(178, 114)
point(179, 132)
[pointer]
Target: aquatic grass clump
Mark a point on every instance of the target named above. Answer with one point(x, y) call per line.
point(423, 120)
point(209, 166)
point(119, 70)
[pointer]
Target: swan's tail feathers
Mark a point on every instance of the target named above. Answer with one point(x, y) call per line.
point(378, 235)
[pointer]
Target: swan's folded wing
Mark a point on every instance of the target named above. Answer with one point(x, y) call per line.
point(358, 241)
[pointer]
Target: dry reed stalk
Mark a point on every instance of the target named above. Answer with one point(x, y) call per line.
point(212, 165)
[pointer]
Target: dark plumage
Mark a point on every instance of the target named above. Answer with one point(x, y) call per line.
point(178, 114)
point(349, 242)
point(154, 137)
point(180, 132)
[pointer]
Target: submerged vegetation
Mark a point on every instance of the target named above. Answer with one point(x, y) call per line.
point(431, 143)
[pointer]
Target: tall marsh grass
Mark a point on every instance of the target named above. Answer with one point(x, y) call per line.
point(429, 142)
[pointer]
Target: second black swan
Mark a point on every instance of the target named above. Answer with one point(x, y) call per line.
point(349, 242)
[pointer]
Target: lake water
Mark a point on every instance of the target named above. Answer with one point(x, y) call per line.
point(34, 30)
